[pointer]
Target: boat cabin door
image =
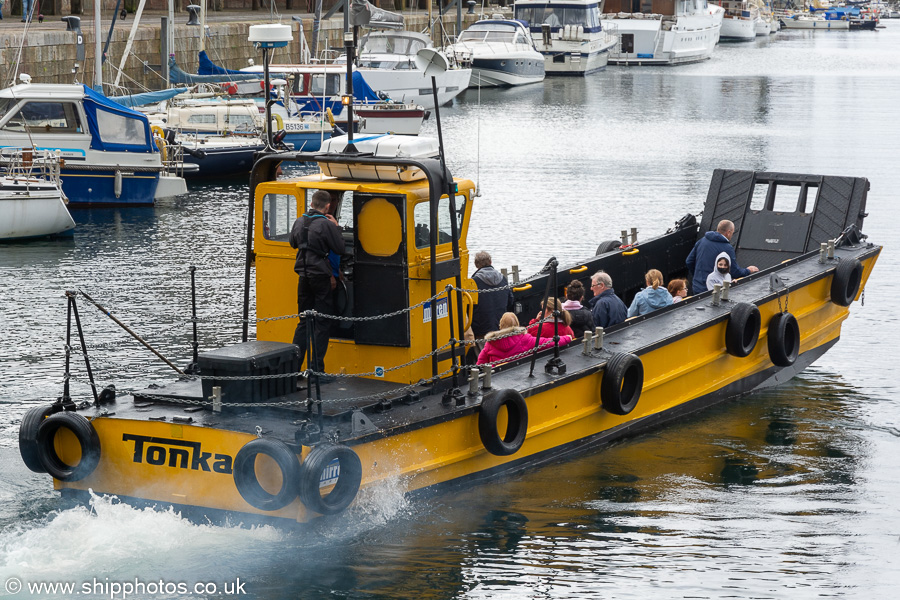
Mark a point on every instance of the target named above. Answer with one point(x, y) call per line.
point(380, 269)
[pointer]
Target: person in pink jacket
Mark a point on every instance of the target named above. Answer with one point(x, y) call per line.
point(512, 340)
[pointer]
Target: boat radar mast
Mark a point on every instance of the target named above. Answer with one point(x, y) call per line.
point(266, 37)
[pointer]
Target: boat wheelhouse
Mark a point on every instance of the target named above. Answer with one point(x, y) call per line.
point(569, 34)
point(110, 156)
point(740, 21)
point(502, 53)
point(663, 32)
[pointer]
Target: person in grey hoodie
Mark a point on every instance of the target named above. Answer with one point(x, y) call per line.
point(652, 297)
point(491, 304)
point(700, 261)
point(721, 273)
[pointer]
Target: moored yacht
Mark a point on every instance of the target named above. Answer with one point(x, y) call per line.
point(110, 156)
point(32, 203)
point(502, 53)
point(740, 20)
point(663, 32)
point(387, 61)
point(572, 39)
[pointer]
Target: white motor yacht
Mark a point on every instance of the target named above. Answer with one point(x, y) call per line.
point(569, 35)
point(502, 53)
point(740, 20)
point(663, 32)
point(110, 156)
point(387, 61)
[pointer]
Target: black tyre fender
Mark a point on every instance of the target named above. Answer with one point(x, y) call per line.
point(846, 282)
point(742, 331)
point(28, 436)
point(784, 340)
point(517, 422)
point(247, 483)
point(87, 438)
point(348, 481)
point(623, 380)
point(608, 246)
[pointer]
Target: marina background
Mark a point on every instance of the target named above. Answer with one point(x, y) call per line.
point(787, 493)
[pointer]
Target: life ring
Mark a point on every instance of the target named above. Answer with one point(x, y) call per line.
point(28, 436)
point(516, 426)
point(608, 246)
point(330, 116)
point(247, 484)
point(742, 330)
point(159, 136)
point(229, 88)
point(349, 477)
point(279, 122)
point(846, 282)
point(623, 379)
point(87, 438)
point(784, 340)
point(468, 308)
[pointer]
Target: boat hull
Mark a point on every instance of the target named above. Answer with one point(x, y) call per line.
point(646, 42)
point(95, 187)
point(26, 214)
point(738, 30)
point(577, 57)
point(507, 71)
point(411, 86)
point(223, 161)
point(192, 465)
point(813, 23)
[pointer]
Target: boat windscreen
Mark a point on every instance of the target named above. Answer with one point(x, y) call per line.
point(114, 127)
point(5, 105)
point(558, 16)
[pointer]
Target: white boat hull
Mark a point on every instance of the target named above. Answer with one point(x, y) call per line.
point(27, 211)
point(763, 27)
point(577, 57)
point(413, 86)
point(814, 23)
point(691, 39)
point(735, 29)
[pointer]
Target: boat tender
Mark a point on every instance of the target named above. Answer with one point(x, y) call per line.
point(404, 409)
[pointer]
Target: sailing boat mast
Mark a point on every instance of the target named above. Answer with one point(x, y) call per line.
point(98, 53)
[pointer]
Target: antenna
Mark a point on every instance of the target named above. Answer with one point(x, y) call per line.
point(433, 63)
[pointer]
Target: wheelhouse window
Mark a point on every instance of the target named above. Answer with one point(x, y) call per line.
point(445, 233)
point(202, 119)
point(279, 214)
point(324, 85)
point(46, 117)
point(556, 16)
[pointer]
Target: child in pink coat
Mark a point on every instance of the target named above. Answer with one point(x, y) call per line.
point(511, 340)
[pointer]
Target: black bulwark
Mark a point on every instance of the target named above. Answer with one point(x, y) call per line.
point(778, 216)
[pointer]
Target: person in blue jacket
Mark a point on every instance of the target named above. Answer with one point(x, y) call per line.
point(702, 259)
point(652, 297)
point(606, 308)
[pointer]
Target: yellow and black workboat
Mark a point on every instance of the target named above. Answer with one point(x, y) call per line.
point(251, 431)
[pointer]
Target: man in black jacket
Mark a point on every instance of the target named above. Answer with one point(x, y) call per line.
point(491, 304)
point(315, 235)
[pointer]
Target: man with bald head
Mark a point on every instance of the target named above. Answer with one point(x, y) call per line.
point(702, 259)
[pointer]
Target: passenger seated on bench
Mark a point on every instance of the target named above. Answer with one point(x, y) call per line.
point(565, 319)
point(512, 340)
point(652, 297)
point(678, 289)
point(581, 315)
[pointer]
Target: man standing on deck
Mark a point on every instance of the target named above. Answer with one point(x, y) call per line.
point(702, 259)
point(314, 235)
point(607, 309)
point(491, 304)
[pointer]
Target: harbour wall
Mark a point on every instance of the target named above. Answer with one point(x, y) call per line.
point(49, 51)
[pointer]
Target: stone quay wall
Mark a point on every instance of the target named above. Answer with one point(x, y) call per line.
point(49, 52)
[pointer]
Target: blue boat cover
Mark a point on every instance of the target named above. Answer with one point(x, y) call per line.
point(179, 77)
point(361, 90)
point(208, 67)
point(147, 97)
point(115, 128)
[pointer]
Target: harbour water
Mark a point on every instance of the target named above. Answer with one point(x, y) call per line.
point(789, 493)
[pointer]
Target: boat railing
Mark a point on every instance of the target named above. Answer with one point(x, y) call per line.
point(29, 165)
